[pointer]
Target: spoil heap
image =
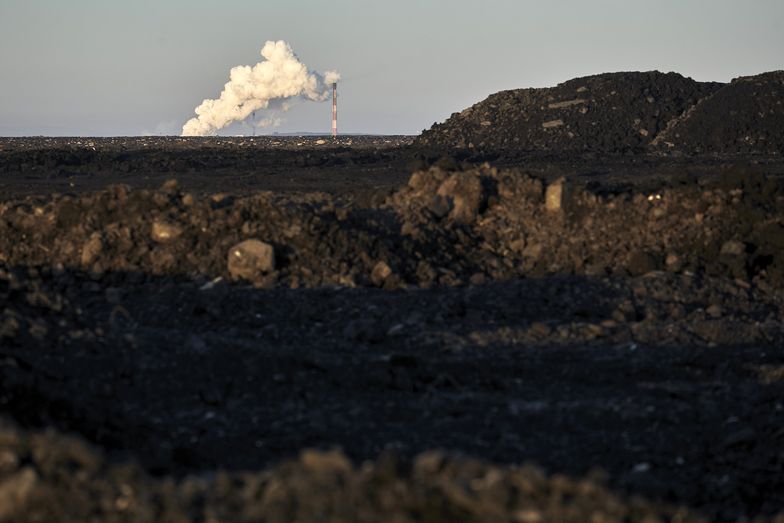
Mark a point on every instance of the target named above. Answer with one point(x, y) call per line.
point(746, 116)
point(445, 227)
point(50, 477)
point(621, 112)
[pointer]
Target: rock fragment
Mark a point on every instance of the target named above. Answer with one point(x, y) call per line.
point(250, 258)
point(164, 231)
point(553, 196)
point(714, 311)
point(552, 123)
point(465, 191)
point(15, 491)
point(641, 262)
point(733, 248)
point(92, 248)
point(380, 273)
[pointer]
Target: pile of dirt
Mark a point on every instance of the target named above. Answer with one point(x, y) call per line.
point(623, 112)
point(445, 227)
point(607, 112)
point(746, 116)
point(45, 476)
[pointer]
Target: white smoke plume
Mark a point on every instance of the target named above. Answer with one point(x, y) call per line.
point(280, 76)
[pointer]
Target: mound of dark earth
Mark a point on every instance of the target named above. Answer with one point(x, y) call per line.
point(606, 112)
point(445, 227)
point(46, 476)
point(745, 116)
point(622, 112)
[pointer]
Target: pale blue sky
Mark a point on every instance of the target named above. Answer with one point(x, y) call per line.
point(111, 67)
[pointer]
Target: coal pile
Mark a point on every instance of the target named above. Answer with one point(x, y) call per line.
point(445, 227)
point(622, 112)
point(607, 112)
point(745, 116)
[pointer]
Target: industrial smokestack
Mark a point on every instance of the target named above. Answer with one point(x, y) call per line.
point(334, 109)
point(280, 77)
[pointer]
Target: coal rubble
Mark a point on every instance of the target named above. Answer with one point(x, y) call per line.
point(623, 112)
point(299, 329)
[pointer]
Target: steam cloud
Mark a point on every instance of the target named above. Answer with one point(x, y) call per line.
point(280, 76)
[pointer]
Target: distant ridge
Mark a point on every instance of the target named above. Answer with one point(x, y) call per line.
point(621, 112)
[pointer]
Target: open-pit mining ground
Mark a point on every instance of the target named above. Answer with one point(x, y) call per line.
point(408, 337)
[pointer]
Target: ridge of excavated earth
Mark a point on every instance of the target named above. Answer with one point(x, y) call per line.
point(617, 112)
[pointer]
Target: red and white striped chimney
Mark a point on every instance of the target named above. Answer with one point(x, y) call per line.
point(334, 110)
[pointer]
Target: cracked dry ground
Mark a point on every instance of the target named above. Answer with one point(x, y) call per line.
point(628, 345)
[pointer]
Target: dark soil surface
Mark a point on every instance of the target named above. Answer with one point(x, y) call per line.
point(623, 112)
point(614, 321)
point(40, 165)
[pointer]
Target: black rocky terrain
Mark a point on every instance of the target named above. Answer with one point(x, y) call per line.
point(623, 112)
point(357, 164)
point(744, 117)
point(301, 329)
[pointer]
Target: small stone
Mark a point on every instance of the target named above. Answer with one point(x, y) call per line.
point(320, 142)
point(9, 461)
point(380, 273)
point(465, 192)
point(15, 490)
point(641, 262)
point(714, 311)
point(517, 245)
point(673, 262)
point(248, 259)
point(170, 186)
point(533, 251)
point(553, 196)
point(552, 124)
point(733, 248)
point(164, 232)
point(439, 206)
point(332, 461)
point(92, 248)
point(594, 330)
point(478, 279)
point(566, 103)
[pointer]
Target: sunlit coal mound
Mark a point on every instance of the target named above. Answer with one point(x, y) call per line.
point(623, 112)
point(745, 116)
